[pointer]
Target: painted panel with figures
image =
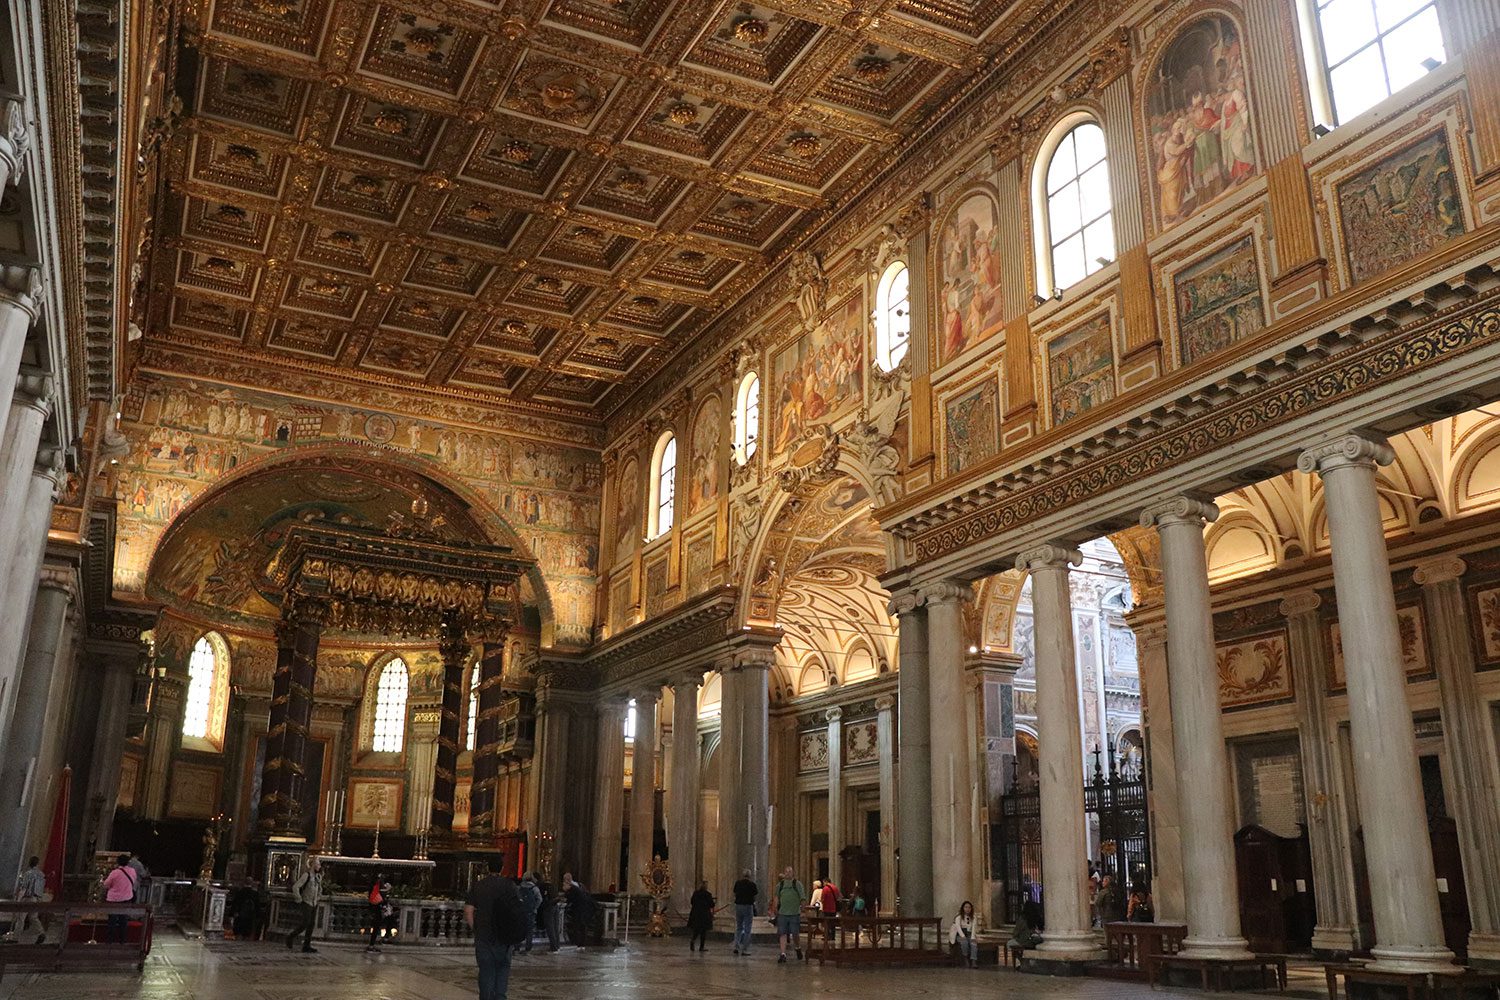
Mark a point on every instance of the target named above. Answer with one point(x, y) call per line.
point(1081, 368)
point(1218, 300)
point(971, 426)
point(970, 301)
point(1400, 208)
point(819, 377)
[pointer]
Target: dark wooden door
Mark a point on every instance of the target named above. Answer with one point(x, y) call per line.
point(1258, 863)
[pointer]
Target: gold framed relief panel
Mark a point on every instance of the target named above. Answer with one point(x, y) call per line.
point(1254, 669)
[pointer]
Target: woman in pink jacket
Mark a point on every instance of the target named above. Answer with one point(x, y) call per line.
point(119, 887)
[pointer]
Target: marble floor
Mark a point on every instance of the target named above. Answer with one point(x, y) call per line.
point(652, 970)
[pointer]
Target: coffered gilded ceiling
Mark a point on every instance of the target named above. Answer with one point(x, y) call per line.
point(536, 200)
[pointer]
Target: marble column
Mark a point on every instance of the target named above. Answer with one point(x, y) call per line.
point(116, 666)
point(547, 790)
point(20, 305)
point(1207, 814)
point(754, 668)
point(949, 772)
point(1069, 935)
point(684, 781)
point(836, 833)
point(1468, 742)
point(642, 789)
point(484, 803)
point(453, 646)
point(1322, 777)
point(885, 744)
point(1398, 850)
point(22, 502)
point(913, 816)
point(15, 141)
point(1161, 774)
point(731, 809)
point(609, 795)
point(34, 713)
point(163, 734)
point(293, 794)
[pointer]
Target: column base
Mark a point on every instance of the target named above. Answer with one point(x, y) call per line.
point(1484, 950)
point(1411, 958)
point(1333, 944)
point(1222, 949)
point(1067, 953)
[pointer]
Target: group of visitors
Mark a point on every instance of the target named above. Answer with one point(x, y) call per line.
point(503, 914)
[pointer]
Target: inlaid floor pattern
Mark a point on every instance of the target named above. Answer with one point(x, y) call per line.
point(644, 970)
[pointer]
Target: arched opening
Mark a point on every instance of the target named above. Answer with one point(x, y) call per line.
point(1072, 206)
point(663, 506)
point(747, 418)
point(206, 703)
point(892, 315)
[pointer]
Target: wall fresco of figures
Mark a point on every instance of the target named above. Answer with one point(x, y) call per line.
point(1199, 119)
point(971, 426)
point(708, 457)
point(185, 436)
point(628, 526)
point(818, 377)
point(1400, 208)
point(1218, 300)
point(1081, 368)
point(969, 297)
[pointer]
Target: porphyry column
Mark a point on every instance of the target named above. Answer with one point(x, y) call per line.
point(949, 774)
point(1068, 936)
point(484, 821)
point(1398, 849)
point(1207, 817)
point(913, 827)
point(453, 646)
point(284, 784)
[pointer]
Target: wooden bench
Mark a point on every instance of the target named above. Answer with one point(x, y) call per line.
point(75, 936)
point(1217, 972)
point(876, 940)
point(1418, 985)
point(1133, 948)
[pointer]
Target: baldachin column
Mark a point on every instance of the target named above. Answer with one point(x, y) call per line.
point(299, 790)
point(453, 646)
point(1468, 740)
point(484, 798)
point(949, 774)
point(1069, 935)
point(1398, 850)
point(1206, 813)
point(913, 826)
point(1322, 777)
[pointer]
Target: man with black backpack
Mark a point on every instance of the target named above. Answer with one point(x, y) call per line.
point(493, 909)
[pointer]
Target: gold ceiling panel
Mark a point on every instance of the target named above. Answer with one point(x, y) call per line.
point(539, 200)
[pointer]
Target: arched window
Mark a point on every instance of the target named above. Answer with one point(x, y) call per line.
point(473, 705)
point(208, 691)
point(747, 418)
point(388, 734)
point(892, 316)
point(663, 486)
point(1074, 225)
point(1362, 51)
point(630, 721)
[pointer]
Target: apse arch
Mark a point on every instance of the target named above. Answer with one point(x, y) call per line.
point(193, 558)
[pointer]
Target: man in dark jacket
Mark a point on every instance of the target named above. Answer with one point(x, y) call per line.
point(745, 891)
point(550, 914)
point(581, 907)
point(492, 952)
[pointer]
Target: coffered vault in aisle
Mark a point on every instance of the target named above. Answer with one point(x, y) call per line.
point(540, 201)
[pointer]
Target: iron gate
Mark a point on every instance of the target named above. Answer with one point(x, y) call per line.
point(1115, 801)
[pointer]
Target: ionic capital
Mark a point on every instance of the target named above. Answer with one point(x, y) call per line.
point(1359, 448)
point(1300, 602)
point(1048, 556)
point(834, 714)
point(1185, 508)
point(34, 389)
point(885, 703)
point(49, 465)
point(646, 695)
point(15, 140)
point(62, 578)
point(904, 602)
point(686, 679)
point(947, 592)
point(1439, 569)
point(755, 659)
point(21, 287)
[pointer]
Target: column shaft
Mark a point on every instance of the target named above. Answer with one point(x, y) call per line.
point(273, 805)
point(483, 798)
point(1468, 740)
point(1398, 850)
point(952, 789)
point(33, 713)
point(549, 775)
point(609, 795)
point(913, 819)
point(835, 718)
point(1322, 777)
point(1161, 775)
point(295, 793)
point(20, 305)
point(454, 649)
point(755, 787)
point(27, 484)
point(642, 789)
point(1213, 898)
point(730, 767)
point(685, 782)
point(885, 739)
point(1069, 936)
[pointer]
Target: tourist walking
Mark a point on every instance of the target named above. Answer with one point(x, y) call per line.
point(961, 934)
point(382, 913)
point(745, 892)
point(31, 887)
point(494, 910)
point(531, 902)
point(306, 891)
point(700, 917)
point(787, 899)
point(119, 887)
